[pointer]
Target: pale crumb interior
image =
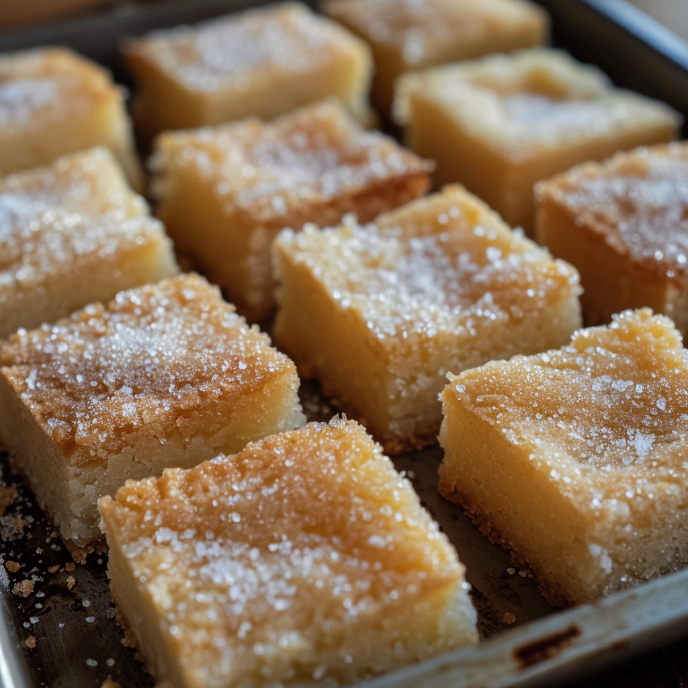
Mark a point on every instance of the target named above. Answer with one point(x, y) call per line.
point(304, 560)
point(574, 458)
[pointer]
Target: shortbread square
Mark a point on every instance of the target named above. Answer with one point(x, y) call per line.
point(226, 192)
point(380, 313)
point(408, 35)
point(166, 375)
point(624, 225)
point(575, 459)
point(73, 233)
point(306, 559)
point(502, 123)
point(263, 62)
point(52, 103)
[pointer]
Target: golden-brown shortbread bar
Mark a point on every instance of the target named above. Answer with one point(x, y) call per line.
point(225, 192)
point(624, 225)
point(166, 375)
point(575, 459)
point(73, 233)
point(54, 102)
point(305, 560)
point(380, 313)
point(408, 35)
point(504, 122)
point(263, 62)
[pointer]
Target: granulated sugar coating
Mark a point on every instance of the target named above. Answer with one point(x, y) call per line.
point(305, 558)
point(264, 62)
point(225, 192)
point(593, 436)
point(54, 102)
point(502, 123)
point(440, 285)
point(166, 375)
point(72, 233)
point(624, 224)
point(637, 201)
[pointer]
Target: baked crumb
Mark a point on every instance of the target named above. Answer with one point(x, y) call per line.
point(24, 588)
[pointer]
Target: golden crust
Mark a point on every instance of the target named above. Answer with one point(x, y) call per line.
point(635, 202)
point(144, 363)
point(317, 159)
point(288, 528)
point(574, 458)
point(550, 592)
point(64, 215)
point(48, 76)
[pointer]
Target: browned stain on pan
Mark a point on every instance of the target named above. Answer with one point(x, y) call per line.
point(545, 648)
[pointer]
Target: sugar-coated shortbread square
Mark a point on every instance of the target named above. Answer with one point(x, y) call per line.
point(226, 192)
point(166, 375)
point(263, 62)
point(504, 122)
point(408, 35)
point(73, 233)
point(380, 313)
point(305, 560)
point(575, 459)
point(624, 224)
point(54, 102)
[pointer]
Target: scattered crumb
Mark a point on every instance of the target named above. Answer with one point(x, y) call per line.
point(511, 570)
point(12, 566)
point(30, 642)
point(109, 683)
point(70, 566)
point(522, 573)
point(7, 496)
point(11, 527)
point(23, 589)
point(508, 618)
point(71, 582)
point(53, 569)
point(92, 662)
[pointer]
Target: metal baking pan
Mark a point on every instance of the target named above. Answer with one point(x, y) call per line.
point(61, 632)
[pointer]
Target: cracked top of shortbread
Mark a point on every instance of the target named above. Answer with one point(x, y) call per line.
point(637, 201)
point(532, 101)
point(270, 171)
point(424, 28)
point(54, 217)
point(238, 51)
point(40, 86)
point(607, 415)
point(167, 359)
point(273, 558)
point(442, 263)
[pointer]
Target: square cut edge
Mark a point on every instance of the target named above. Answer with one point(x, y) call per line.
point(408, 599)
point(93, 237)
point(383, 353)
point(86, 407)
point(585, 520)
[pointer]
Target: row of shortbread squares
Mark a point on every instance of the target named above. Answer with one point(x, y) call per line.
point(168, 375)
point(496, 125)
